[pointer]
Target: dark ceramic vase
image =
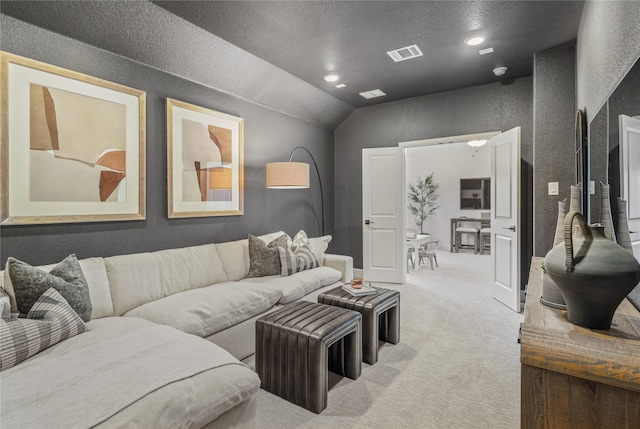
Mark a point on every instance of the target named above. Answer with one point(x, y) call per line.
point(551, 294)
point(594, 274)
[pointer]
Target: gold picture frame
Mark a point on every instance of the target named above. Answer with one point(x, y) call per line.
point(205, 162)
point(73, 146)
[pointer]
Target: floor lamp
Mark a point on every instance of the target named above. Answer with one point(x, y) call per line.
point(293, 175)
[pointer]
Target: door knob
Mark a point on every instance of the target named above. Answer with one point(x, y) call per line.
point(511, 228)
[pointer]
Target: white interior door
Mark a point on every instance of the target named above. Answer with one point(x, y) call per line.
point(505, 222)
point(383, 190)
point(630, 175)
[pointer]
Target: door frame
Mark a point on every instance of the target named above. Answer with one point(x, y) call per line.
point(452, 139)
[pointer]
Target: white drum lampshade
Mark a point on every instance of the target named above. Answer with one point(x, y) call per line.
point(287, 175)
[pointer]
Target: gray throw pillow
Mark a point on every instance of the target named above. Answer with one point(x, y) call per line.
point(293, 261)
point(50, 321)
point(264, 259)
point(66, 277)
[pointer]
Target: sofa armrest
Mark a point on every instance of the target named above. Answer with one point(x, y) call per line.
point(342, 263)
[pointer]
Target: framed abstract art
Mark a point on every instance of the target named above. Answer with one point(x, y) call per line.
point(205, 161)
point(73, 146)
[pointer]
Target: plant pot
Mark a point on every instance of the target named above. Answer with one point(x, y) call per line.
point(593, 273)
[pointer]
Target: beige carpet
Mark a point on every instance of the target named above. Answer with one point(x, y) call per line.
point(456, 366)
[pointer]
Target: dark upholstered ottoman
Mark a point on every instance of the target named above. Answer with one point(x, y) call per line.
point(380, 316)
point(296, 345)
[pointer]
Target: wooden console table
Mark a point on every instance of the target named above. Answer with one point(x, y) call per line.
point(574, 377)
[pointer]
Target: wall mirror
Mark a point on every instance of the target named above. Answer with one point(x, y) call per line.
point(605, 152)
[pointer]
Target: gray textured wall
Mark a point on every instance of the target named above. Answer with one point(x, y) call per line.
point(269, 136)
point(553, 138)
point(492, 107)
point(608, 45)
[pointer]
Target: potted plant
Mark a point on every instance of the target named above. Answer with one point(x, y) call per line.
point(422, 199)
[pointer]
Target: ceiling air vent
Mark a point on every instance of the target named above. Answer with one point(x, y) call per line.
point(405, 53)
point(372, 94)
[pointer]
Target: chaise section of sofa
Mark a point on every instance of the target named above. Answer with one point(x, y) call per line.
point(126, 372)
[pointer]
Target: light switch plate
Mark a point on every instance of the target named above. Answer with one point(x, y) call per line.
point(553, 188)
point(592, 187)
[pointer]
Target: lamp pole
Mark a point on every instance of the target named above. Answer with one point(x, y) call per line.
point(319, 180)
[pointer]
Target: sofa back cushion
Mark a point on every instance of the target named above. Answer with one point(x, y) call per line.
point(96, 275)
point(144, 277)
point(235, 258)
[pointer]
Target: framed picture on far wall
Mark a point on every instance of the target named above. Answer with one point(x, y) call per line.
point(205, 161)
point(73, 146)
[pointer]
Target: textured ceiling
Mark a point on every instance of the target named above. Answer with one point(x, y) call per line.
point(311, 38)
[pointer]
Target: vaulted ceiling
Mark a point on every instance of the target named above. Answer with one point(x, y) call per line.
point(275, 53)
point(310, 39)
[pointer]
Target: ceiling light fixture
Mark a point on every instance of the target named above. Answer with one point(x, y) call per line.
point(340, 85)
point(499, 71)
point(372, 94)
point(331, 77)
point(476, 143)
point(485, 51)
point(474, 40)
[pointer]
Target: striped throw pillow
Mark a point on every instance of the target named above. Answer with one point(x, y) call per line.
point(50, 321)
point(293, 261)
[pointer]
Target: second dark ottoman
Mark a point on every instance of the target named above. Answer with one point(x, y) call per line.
point(380, 316)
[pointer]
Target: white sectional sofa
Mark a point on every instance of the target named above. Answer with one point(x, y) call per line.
point(144, 363)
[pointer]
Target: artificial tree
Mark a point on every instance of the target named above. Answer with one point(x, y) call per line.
point(422, 199)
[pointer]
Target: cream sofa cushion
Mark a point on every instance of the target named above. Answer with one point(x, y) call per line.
point(96, 275)
point(319, 246)
point(297, 285)
point(235, 258)
point(208, 310)
point(144, 277)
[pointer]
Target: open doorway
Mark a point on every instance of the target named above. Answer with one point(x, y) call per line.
point(461, 172)
point(449, 157)
point(384, 214)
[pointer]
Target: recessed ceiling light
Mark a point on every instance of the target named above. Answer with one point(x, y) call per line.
point(474, 40)
point(372, 94)
point(340, 85)
point(485, 51)
point(331, 77)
